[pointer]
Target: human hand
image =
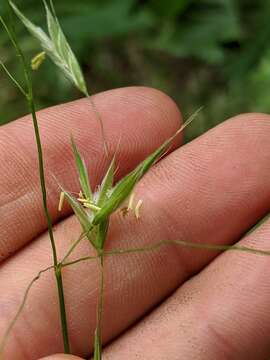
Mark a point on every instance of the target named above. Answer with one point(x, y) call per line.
point(211, 190)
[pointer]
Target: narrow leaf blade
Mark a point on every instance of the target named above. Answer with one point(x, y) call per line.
point(80, 213)
point(82, 171)
point(106, 184)
point(51, 24)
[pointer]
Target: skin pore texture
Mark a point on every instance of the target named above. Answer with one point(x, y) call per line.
point(172, 303)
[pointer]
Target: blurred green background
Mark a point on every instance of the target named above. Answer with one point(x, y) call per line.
point(213, 53)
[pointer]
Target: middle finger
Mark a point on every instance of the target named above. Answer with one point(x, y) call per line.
point(208, 191)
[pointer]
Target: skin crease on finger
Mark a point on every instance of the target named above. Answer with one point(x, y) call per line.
point(199, 173)
point(61, 357)
point(222, 313)
point(144, 117)
point(212, 192)
point(140, 118)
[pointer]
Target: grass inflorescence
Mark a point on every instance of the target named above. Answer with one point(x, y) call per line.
point(93, 209)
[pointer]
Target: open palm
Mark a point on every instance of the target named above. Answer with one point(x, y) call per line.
point(172, 303)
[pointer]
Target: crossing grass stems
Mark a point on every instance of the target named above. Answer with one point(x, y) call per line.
point(93, 209)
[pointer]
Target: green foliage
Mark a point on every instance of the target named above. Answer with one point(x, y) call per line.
point(209, 52)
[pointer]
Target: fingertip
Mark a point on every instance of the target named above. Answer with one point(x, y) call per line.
point(169, 114)
point(61, 357)
point(244, 126)
point(153, 111)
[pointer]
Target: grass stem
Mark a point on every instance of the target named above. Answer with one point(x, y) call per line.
point(63, 315)
point(31, 104)
point(58, 269)
point(98, 332)
point(182, 243)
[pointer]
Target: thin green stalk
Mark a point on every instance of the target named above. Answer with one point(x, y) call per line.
point(22, 304)
point(98, 116)
point(63, 315)
point(259, 223)
point(72, 248)
point(31, 105)
point(12, 78)
point(74, 245)
point(98, 332)
point(85, 258)
point(190, 245)
point(182, 243)
point(13, 321)
point(58, 270)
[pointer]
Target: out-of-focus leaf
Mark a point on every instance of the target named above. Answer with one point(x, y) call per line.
point(203, 33)
point(169, 8)
point(118, 19)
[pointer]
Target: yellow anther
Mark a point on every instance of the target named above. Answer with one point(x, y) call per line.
point(38, 60)
point(84, 201)
point(130, 202)
point(125, 210)
point(61, 201)
point(137, 209)
point(91, 206)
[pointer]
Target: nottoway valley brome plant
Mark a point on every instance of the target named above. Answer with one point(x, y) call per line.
point(93, 209)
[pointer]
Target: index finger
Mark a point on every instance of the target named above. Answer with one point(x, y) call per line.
point(144, 117)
